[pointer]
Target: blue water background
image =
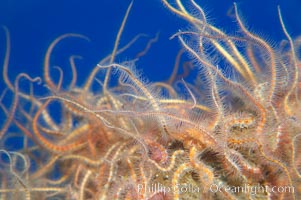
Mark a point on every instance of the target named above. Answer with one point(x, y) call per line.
point(33, 24)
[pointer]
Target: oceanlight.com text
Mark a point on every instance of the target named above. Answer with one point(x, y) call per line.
point(251, 189)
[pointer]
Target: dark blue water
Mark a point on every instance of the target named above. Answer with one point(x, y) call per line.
point(33, 24)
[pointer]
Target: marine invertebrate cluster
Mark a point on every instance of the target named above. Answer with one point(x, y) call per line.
point(236, 135)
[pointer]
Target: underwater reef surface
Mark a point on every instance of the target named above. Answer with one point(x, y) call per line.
point(224, 124)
